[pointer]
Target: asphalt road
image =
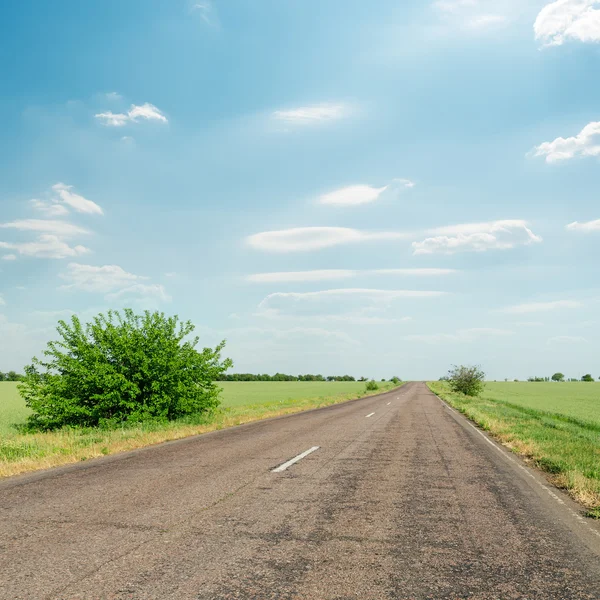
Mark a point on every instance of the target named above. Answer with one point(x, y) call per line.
point(409, 502)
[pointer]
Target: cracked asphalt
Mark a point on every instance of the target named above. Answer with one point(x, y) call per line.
point(411, 503)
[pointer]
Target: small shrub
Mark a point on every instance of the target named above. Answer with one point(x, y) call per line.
point(467, 380)
point(122, 368)
point(371, 386)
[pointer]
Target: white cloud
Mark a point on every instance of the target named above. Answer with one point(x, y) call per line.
point(332, 274)
point(46, 246)
point(49, 209)
point(584, 227)
point(75, 201)
point(303, 239)
point(113, 281)
point(536, 307)
point(108, 278)
point(567, 20)
point(2, 301)
point(113, 96)
point(52, 227)
point(9, 257)
point(585, 143)
point(352, 195)
point(319, 113)
point(567, 339)
point(111, 119)
point(146, 111)
point(477, 237)
point(346, 302)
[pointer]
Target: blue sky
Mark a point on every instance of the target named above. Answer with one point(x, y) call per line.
point(332, 187)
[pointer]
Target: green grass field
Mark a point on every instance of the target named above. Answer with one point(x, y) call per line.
point(12, 408)
point(555, 425)
point(235, 394)
point(243, 402)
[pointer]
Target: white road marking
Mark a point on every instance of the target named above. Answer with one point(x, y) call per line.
point(289, 463)
point(524, 469)
point(369, 415)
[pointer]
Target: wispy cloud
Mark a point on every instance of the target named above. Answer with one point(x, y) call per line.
point(318, 113)
point(537, 307)
point(46, 246)
point(53, 227)
point(9, 257)
point(477, 237)
point(147, 112)
point(585, 143)
point(351, 303)
point(303, 239)
point(585, 227)
point(207, 12)
point(107, 278)
point(466, 237)
point(111, 280)
point(566, 20)
point(75, 201)
point(49, 209)
point(355, 195)
point(333, 274)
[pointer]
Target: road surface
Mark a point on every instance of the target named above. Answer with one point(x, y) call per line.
point(402, 499)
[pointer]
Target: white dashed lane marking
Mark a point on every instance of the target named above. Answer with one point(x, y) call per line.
point(289, 463)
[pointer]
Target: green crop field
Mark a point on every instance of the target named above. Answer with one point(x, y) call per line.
point(260, 392)
point(12, 408)
point(555, 425)
point(242, 402)
point(235, 394)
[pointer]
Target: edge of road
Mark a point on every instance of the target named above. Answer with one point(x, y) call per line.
point(91, 463)
point(554, 500)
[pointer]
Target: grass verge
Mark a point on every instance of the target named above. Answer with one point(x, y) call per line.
point(564, 447)
point(26, 452)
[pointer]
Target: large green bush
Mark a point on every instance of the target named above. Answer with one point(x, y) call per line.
point(122, 367)
point(468, 380)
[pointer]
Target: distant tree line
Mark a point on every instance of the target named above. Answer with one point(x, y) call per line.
point(10, 376)
point(282, 377)
point(559, 377)
point(285, 377)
